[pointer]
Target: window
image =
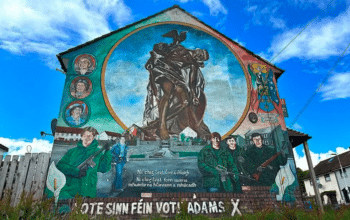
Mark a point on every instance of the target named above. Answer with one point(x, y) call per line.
point(317, 180)
point(341, 173)
point(327, 177)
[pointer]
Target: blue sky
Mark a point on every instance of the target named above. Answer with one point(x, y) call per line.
point(33, 32)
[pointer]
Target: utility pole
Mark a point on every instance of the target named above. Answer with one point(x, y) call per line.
point(313, 176)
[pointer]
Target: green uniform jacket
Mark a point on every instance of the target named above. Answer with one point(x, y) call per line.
point(207, 161)
point(235, 154)
point(84, 186)
point(254, 157)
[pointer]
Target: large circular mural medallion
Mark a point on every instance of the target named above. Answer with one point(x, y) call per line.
point(168, 77)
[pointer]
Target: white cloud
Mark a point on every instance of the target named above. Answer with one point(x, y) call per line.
point(224, 106)
point(215, 7)
point(265, 16)
point(197, 13)
point(251, 8)
point(240, 42)
point(277, 23)
point(320, 40)
point(19, 146)
point(50, 27)
point(300, 160)
point(337, 87)
point(117, 77)
point(322, 4)
point(297, 127)
point(115, 8)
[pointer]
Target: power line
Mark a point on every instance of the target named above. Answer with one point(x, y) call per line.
point(301, 32)
point(319, 87)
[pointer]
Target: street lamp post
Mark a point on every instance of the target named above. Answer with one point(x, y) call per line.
point(43, 134)
point(341, 172)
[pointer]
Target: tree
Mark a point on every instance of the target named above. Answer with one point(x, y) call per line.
point(301, 176)
point(182, 137)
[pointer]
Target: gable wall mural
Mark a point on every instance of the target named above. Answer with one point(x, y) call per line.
point(169, 105)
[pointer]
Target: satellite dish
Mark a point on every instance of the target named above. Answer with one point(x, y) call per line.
point(53, 126)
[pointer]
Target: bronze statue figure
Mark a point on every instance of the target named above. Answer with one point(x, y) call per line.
point(175, 92)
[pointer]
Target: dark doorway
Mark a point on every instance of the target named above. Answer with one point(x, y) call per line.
point(346, 196)
point(333, 198)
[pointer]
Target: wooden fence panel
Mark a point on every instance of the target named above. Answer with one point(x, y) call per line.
point(42, 181)
point(24, 174)
point(31, 172)
point(37, 174)
point(3, 173)
point(22, 171)
point(16, 179)
point(12, 171)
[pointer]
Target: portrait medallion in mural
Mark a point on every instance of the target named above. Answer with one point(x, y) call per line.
point(178, 78)
point(80, 87)
point(84, 64)
point(76, 113)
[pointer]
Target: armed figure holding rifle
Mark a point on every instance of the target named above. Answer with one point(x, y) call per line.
point(262, 162)
point(219, 173)
point(81, 164)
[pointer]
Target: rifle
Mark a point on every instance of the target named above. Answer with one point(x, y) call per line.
point(89, 161)
point(257, 175)
point(223, 169)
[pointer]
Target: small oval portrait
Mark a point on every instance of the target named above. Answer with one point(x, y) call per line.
point(84, 64)
point(76, 113)
point(80, 87)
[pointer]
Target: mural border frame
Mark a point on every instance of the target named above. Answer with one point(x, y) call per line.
point(103, 72)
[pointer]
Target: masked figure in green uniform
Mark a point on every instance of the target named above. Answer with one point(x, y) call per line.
point(216, 165)
point(83, 181)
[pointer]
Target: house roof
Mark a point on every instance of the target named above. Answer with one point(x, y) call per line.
point(63, 66)
point(71, 130)
point(113, 134)
point(296, 137)
point(331, 164)
point(3, 147)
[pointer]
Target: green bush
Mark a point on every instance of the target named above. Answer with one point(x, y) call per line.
point(27, 208)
